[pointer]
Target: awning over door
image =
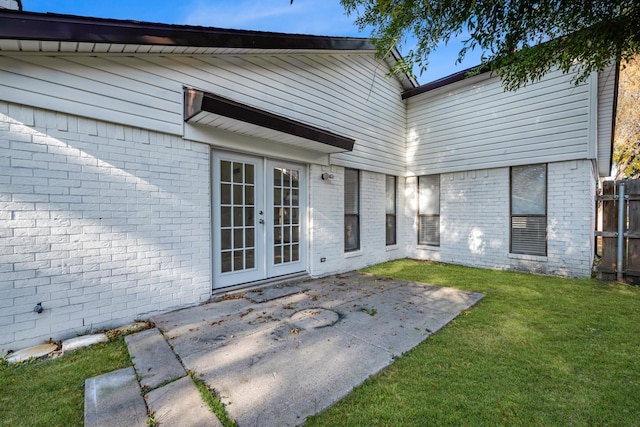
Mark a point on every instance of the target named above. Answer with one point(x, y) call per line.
point(213, 110)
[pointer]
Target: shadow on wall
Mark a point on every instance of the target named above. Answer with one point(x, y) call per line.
point(103, 224)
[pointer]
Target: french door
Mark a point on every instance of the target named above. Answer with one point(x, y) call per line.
point(259, 218)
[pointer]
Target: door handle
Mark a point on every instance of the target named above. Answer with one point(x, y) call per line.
point(261, 221)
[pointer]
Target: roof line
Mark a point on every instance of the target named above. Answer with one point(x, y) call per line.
point(56, 27)
point(453, 78)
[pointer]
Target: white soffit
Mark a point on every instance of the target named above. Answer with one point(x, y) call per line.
point(221, 113)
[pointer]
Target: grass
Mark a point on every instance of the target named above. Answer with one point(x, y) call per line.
point(209, 397)
point(536, 351)
point(51, 392)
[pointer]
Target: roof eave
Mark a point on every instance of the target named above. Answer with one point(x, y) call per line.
point(197, 102)
point(407, 80)
point(54, 27)
point(453, 78)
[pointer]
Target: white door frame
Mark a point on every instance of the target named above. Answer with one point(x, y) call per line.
point(289, 244)
point(244, 258)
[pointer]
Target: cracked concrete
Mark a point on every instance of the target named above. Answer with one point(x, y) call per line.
point(276, 362)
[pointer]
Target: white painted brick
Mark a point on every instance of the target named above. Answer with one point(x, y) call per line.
point(82, 222)
point(10, 292)
point(20, 172)
point(20, 231)
point(475, 221)
point(327, 222)
point(18, 326)
point(6, 320)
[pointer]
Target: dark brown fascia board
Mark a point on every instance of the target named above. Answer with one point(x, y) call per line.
point(197, 101)
point(69, 28)
point(407, 80)
point(453, 78)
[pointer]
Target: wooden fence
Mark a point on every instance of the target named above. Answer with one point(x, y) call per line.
point(607, 231)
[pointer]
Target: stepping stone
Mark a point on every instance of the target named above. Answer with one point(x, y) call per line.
point(114, 399)
point(83, 341)
point(180, 404)
point(153, 359)
point(31, 352)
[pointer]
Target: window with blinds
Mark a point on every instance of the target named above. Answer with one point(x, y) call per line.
point(390, 208)
point(529, 210)
point(351, 210)
point(429, 210)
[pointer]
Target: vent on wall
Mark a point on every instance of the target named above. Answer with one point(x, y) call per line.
point(11, 4)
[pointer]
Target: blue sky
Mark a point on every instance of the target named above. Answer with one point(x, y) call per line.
point(320, 17)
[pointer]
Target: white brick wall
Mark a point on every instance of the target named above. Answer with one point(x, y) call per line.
point(327, 222)
point(571, 222)
point(474, 216)
point(101, 223)
point(105, 223)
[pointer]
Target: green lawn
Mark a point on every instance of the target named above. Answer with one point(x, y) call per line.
point(536, 351)
point(51, 392)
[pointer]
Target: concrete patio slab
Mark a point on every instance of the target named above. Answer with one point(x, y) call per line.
point(272, 292)
point(154, 361)
point(114, 399)
point(277, 362)
point(180, 404)
point(276, 385)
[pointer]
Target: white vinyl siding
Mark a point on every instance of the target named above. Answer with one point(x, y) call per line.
point(475, 124)
point(93, 87)
point(343, 93)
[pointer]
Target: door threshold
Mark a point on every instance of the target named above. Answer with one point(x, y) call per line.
point(236, 291)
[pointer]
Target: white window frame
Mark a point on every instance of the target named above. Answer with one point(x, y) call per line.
point(429, 211)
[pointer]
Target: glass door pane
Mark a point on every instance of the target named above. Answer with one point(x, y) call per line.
point(237, 228)
point(286, 224)
point(238, 234)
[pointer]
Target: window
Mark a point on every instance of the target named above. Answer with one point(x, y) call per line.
point(429, 210)
point(390, 207)
point(351, 210)
point(529, 210)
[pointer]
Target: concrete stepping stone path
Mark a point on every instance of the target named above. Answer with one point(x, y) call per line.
point(152, 358)
point(114, 399)
point(278, 361)
point(179, 404)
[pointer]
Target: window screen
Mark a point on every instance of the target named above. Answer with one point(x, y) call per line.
point(429, 210)
point(529, 210)
point(351, 210)
point(390, 208)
